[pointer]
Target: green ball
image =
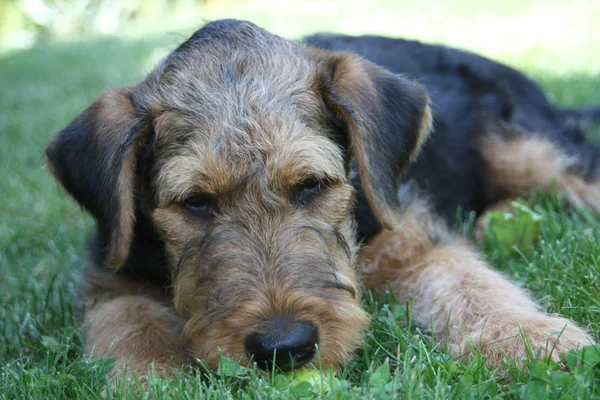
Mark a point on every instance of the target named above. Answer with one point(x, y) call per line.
point(309, 378)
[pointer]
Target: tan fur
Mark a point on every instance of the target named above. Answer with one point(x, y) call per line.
point(353, 81)
point(134, 324)
point(115, 115)
point(112, 116)
point(424, 131)
point(465, 303)
point(338, 339)
point(148, 332)
point(519, 166)
point(267, 287)
point(122, 242)
point(261, 255)
point(206, 168)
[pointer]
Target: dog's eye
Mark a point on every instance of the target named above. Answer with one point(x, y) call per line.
point(307, 191)
point(200, 206)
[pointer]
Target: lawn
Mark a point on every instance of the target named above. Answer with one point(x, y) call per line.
point(42, 232)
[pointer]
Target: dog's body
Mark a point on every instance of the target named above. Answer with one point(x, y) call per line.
point(223, 190)
point(471, 95)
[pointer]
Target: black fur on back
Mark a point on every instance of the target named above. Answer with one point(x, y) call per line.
point(469, 93)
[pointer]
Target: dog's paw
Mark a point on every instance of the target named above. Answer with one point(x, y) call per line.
point(555, 336)
point(530, 337)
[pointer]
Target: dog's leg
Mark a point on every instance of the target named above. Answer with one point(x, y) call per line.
point(519, 163)
point(132, 324)
point(458, 296)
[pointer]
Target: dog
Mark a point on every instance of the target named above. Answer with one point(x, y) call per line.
point(250, 186)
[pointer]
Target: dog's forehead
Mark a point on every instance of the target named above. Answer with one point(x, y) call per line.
point(220, 162)
point(231, 70)
point(245, 101)
point(235, 76)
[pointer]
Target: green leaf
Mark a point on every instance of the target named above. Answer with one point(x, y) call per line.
point(591, 354)
point(302, 389)
point(567, 397)
point(50, 343)
point(232, 368)
point(520, 228)
point(467, 380)
point(572, 359)
point(540, 371)
point(536, 390)
point(562, 379)
point(280, 382)
point(381, 376)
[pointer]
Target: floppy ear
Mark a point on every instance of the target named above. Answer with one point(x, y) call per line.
point(94, 159)
point(386, 119)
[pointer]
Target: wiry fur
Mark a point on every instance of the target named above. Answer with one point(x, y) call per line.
point(525, 163)
point(210, 223)
point(475, 100)
point(457, 296)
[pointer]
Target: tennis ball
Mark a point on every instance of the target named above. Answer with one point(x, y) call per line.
point(309, 378)
point(312, 376)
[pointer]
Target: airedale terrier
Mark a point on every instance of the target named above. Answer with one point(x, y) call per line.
point(233, 187)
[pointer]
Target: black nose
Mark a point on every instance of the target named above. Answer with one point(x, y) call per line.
point(286, 344)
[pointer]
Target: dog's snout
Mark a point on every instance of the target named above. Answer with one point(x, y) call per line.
point(286, 345)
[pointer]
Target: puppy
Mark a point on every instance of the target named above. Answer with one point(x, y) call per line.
point(233, 187)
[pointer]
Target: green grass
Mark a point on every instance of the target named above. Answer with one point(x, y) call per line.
point(42, 232)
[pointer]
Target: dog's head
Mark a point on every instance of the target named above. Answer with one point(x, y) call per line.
point(237, 151)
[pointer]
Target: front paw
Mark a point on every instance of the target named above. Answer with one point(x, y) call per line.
point(526, 337)
point(555, 336)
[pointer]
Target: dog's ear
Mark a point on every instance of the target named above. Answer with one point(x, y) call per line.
point(94, 158)
point(385, 119)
